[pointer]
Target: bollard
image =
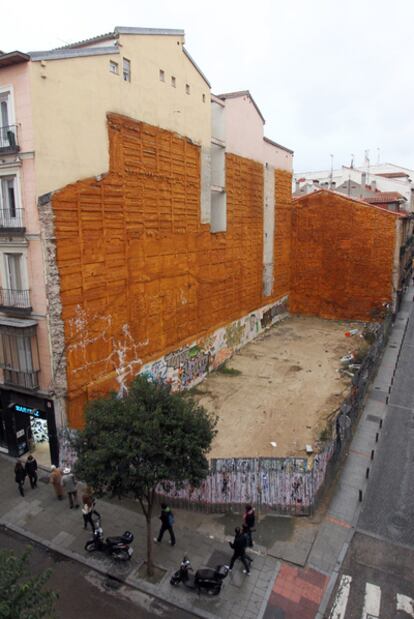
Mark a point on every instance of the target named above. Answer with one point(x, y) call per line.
point(386, 402)
point(381, 421)
point(376, 437)
point(367, 473)
point(360, 496)
point(372, 454)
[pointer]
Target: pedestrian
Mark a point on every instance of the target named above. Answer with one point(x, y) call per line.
point(31, 471)
point(249, 521)
point(70, 484)
point(167, 521)
point(88, 510)
point(55, 478)
point(19, 476)
point(239, 550)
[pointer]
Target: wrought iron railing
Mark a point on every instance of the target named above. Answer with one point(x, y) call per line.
point(8, 138)
point(11, 218)
point(27, 379)
point(15, 298)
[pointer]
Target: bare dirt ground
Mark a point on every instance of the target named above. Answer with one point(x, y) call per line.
point(288, 386)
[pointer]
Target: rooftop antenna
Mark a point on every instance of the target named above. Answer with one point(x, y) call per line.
point(331, 173)
point(352, 161)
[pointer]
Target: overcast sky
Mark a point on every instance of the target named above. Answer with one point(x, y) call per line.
point(329, 76)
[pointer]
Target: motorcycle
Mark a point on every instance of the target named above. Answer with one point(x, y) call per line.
point(117, 547)
point(206, 579)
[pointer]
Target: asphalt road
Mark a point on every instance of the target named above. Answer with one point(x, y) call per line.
point(380, 560)
point(86, 594)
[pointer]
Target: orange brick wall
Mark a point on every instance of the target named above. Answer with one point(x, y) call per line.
point(140, 276)
point(342, 257)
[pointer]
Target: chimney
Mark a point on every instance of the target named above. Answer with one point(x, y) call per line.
point(373, 185)
point(297, 185)
point(333, 185)
point(316, 182)
point(363, 183)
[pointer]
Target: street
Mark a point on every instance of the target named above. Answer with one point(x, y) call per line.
point(377, 576)
point(87, 594)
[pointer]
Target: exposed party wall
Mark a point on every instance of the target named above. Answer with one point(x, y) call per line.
point(140, 276)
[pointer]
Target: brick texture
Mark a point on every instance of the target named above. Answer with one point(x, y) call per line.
point(343, 255)
point(140, 275)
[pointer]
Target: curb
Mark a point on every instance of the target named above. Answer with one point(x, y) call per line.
point(95, 565)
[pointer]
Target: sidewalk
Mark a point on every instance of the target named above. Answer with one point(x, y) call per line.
point(40, 517)
point(304, 593)
point(296, 561)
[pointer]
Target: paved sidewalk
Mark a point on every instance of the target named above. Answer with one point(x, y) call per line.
point(291, 596)
point(293, 573)
point(42, 518)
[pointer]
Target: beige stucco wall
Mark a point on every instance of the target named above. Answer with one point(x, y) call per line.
point(277, 157)
point(243, 128)
point(72, 97)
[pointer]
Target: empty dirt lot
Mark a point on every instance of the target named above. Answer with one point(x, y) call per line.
point(287, 387)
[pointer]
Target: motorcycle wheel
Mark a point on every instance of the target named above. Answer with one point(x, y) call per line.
point(121, 555)
point(90, 546)
point(214, 590)
point(174, 580)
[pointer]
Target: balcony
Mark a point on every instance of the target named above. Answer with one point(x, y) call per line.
point(17, 301)
point(20, 378)
point(8, 139)
point(11, 221)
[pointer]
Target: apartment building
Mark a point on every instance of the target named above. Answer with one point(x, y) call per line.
point(140, 228)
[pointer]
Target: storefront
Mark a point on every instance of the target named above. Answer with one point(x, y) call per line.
point(27, 423)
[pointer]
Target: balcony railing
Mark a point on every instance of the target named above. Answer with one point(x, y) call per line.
point(28, 379)
point(8, 139)
point(16, 299)
point(11, 218)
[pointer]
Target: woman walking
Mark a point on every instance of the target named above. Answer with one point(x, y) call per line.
point(31, 470)
point(19, 476)
point(88, 510)
point(56, 479)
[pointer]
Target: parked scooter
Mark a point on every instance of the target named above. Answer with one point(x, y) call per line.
point(206, 579)
point(117, 547)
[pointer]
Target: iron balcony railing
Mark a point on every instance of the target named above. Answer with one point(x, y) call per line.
point(28, 379)
point(8, 139)
point(11, 218)
point(15, 298)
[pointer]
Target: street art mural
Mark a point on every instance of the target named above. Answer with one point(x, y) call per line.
point(276, 483)
point(188, 366)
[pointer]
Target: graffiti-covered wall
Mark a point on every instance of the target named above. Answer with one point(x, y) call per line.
point(187, 366)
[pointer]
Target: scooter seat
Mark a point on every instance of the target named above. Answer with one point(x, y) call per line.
point(114, 540)
point(206, 573)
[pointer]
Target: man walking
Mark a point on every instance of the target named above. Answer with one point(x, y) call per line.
point(239, 546)
point(31, 471)
point(249, 520)
point(70, 484)
point(167, 521)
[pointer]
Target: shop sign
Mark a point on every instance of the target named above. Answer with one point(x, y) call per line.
point(29, 411)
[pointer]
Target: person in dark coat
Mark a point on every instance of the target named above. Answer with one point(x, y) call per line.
point(31, 470)
point(239, 547)
point(249, 521)
point(167, 521)
point(19, 476)
point(88, 510)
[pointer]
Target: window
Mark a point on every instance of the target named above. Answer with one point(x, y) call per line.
point(13, 294)
point(126, 70)
point(19, 356)
point(14, 271)
point(204, 98)
point(113, 67)
point(162, 75)
point(173, 82)
point(187, 89)
point(9, 212)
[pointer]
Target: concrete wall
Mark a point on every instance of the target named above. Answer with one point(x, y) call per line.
point(72, 97)
point(140, 276)
point(344, 255)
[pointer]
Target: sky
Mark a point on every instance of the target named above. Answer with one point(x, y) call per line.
point(330, 77)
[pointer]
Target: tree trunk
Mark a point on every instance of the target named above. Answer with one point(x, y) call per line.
point(150, 564)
